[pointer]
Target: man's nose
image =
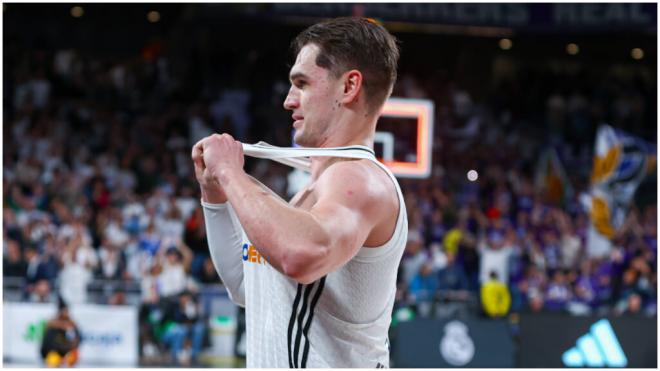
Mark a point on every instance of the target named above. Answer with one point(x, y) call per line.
point(291, 101)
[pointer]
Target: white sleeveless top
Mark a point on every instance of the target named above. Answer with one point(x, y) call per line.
point(341, 320)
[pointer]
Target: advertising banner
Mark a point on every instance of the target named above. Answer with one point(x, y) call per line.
point(559, 340)
point(466, 342)
point(109, 333)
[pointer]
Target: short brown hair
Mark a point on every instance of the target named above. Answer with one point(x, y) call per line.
point(355, 43)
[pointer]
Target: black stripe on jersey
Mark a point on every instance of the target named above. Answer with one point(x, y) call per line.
point(368, 150)
point(315, 300)
point(301, 316)
point(292, 321)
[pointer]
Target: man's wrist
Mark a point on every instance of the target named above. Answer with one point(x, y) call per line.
point(213, 197)
point(225, 175)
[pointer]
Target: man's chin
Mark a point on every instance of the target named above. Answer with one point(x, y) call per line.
point(301, 141)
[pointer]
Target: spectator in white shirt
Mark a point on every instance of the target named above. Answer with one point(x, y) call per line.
point(494, 252)
point(173, 280)
point(78, 262)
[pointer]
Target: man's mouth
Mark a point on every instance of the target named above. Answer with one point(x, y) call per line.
point(297, 120)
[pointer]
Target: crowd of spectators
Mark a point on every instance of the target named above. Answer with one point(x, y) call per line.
point(96, 192)
point(536, 249)
point(505, 226)
point(98, 185)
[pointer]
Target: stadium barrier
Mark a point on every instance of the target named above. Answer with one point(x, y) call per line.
point(109, 333)
point(466, 341)
point(560, 340)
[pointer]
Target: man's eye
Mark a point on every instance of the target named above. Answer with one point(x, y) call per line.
point(300, 84)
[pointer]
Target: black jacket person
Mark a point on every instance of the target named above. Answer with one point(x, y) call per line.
point(61, 339)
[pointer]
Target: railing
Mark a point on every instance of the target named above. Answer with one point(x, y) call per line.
point(100, 290)
point(215, 300)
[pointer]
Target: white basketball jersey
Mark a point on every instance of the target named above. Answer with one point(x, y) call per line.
point(341, 320)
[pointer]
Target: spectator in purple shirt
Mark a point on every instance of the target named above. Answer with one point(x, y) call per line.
point(584, 290)
point(437, 229)
point(532, 287)
point(551, 249)
point(525, 199)
point(603, 275)
point(522, 223)
point(558, 293)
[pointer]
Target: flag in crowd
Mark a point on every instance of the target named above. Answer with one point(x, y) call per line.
point(621, 162)
point(551, 178)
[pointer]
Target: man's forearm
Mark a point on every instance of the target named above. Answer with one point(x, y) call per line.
point(287, 237)
point(225, 237)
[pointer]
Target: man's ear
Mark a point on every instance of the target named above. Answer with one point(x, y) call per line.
point(352, 86)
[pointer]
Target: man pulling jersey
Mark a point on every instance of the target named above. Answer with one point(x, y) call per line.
point(317, 274)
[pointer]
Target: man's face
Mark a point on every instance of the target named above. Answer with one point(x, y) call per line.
point(313, 98)
point(172, 258)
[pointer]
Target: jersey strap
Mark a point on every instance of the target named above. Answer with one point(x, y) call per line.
point(299, 157)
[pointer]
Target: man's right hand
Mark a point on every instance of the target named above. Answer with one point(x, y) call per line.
point(212, 192)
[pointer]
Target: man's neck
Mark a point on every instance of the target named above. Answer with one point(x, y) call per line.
point(319, 164)
point(352, 128)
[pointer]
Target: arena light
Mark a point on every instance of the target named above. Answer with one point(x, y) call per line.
point(637, 53)
point(505, 44)
point(421, 110)
point(153, 16)
point(77, 11)
point(572, 49)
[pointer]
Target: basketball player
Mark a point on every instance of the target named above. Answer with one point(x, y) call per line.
point(316, 275)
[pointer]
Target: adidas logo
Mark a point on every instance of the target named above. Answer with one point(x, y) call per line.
point(598, 348)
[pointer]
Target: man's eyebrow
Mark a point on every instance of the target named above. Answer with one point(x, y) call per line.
point(297, 75)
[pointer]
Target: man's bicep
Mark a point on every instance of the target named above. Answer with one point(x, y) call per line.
point(345, 219)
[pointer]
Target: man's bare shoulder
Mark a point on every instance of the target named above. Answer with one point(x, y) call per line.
point(359, 181)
